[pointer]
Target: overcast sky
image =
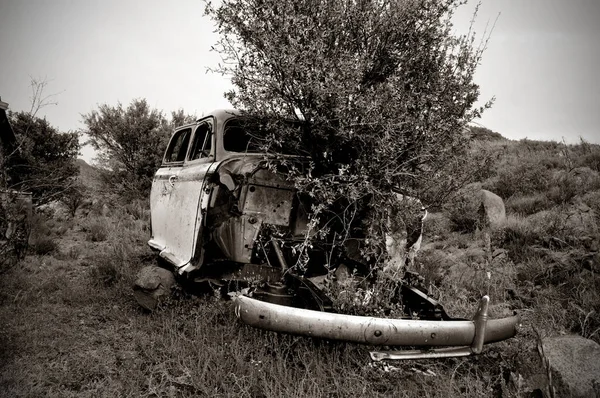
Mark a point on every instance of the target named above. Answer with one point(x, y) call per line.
point(541, 64)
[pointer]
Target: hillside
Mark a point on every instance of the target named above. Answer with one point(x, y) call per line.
point(89, 176)
point(72, 328)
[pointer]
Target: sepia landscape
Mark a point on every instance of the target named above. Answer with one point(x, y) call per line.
point(353, 182)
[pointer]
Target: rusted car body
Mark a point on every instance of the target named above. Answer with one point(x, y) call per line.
point(220, 215)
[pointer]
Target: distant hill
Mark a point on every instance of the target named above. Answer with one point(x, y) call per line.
point(485, 134)
point(89, 176)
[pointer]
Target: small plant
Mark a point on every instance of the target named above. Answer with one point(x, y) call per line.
point(528, 204)
point(44, 245)
point(97, 230)
point(74, 199)
point(360, 296)
point(138, 209)
point(463, 210)
point(106, 272)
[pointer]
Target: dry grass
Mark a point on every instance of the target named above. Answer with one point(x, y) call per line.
point(71, 327)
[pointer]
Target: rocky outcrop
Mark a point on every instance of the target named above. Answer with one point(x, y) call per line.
point(573, 366)
point(491, 210)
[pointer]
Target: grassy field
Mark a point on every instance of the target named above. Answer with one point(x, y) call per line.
point(70, 325)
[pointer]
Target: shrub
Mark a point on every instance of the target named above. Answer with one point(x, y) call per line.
point(74, 199)
point(526, 177)
point(379, 92)
point(592, 199)
point(44, 245)
point(528, 204)
point(105, 272)
point(45, 162)
point(97, 230)
point(138, 209)
point(563, 188)
point(436, 226)
point(463, 209)
point(591, 160)
point(42, 240)
point(517, 235)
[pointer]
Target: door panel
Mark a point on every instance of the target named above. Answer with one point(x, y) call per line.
point(176, 198)
point(163, 188)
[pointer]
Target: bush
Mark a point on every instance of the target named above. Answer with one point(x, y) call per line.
point(138, 209)
point(591, 160)
point(42, 240)
point(436, 226)
point(105, 272)
point(463, 209)
point(567, 185)
point(45, 162)
point(379, 92)
point(44, 245)
point(527, 177)
point(96, 230)
point(528, 204)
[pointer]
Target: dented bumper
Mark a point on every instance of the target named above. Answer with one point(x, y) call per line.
point(464, 337)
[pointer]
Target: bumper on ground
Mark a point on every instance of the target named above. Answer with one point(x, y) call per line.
point(459, 337)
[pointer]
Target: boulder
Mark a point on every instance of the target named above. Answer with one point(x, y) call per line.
point(491, 211)
point(573, 365)
point(152, 284)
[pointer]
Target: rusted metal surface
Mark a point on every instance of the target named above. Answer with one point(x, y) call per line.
point(220, 215)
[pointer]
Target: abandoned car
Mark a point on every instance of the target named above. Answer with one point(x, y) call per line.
point(220, 215)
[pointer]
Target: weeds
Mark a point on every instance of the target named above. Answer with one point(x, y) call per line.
point(75, 330)
point(44, 245)
point(463, 210)
point(96, 230)
point(528, 204)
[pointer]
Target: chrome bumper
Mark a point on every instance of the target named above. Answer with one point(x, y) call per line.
point(461, 338)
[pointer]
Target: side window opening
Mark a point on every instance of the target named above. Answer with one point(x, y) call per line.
point(202, 142)
point(178, 146)
point(237, 137)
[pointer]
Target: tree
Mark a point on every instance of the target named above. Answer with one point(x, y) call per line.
point(130, 143)
point(44, 163)
point(382, 91)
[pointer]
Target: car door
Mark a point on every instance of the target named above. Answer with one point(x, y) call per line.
point(163, 187)
point(176, 199)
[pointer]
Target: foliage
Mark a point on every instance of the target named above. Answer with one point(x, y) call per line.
point(485, 134)
point(529, 176)
point(43, 239)
point(15, 219)
point(463, 210)
point(96, 230)
point(381, 92)
point(130, 143)
point(45, 161)
point(74, 198)
point(526, 205)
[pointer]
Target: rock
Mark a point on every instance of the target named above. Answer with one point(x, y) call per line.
point(491, 211)
point(152, 284)
point(573, 365)
point(500, 254)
